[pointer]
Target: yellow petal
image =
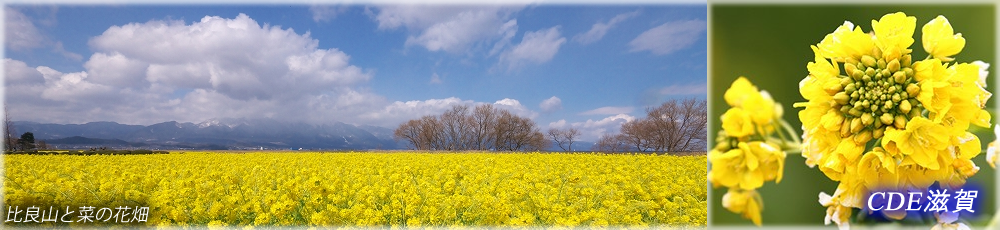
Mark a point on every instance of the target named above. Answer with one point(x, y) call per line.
point(894, 32)
point(940, 39)
point(739, 91)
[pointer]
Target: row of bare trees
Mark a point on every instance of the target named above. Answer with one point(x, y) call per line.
point(484, 127)
point(674, 126)
point(564, 138)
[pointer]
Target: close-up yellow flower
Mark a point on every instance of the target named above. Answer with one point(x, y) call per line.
point(876, 119)
point(750, 149)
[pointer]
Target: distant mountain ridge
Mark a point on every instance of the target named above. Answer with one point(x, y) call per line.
point(221, 133)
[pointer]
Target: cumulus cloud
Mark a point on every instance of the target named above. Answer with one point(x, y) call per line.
point(452, 29)
point(20, 33)
point(515, 107)
point(414, 109)
point(325, 13)
point(608, 110)
point(591, 130)
point(216, 67)
point(669, 37)
point(18, 73)
point(686, 89)
point(598, 30)
point(237, 57)
point(551, 105)
point(536, 47)
point(145, 73)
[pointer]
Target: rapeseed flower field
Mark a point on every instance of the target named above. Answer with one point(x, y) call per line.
point(398, 189)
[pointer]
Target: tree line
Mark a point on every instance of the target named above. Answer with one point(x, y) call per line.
point(484, 127)
point(674, 126)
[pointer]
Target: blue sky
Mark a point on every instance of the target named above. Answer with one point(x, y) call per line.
point(586, 66)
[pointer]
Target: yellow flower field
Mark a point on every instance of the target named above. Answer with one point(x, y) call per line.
point(369, 189)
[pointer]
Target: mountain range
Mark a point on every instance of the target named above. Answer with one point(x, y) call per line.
point(222, 133)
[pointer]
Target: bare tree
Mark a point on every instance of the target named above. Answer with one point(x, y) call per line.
point(570, 136)
point(410, 132)
point(9, 134)
point(564, 138)
point(425, 133)
point(611, 143)
point(672, 126)
point(486, 128)
point(556, 136)
point(484, 120)
point(456, 129)
point(41, 145)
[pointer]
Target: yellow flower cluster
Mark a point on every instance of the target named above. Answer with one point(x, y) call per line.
point(876, 120)
point(372, 189)
point(746, 155)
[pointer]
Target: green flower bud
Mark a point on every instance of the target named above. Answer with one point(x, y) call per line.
point(893, 65)
point(867, 119)
point(850, 68)
point(850, 88)
point(899, 77)
point(877, 133)
point(841, 98)
point(856, 125)
point(900, 122)
point(913, 89)
point(904, 106)
point(863, 137)
point(886, 119)
point(868, 61)
point(854, 112)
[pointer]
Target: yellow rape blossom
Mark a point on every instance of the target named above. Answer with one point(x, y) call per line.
point(377, 189)
point(750, 148)
point(875, 119)
point(745, 202)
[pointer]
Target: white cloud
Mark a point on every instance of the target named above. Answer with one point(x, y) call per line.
point(145, 73)
point(515, 107)
point(535, 47)
point(20, 33)
point(598, 30)
point(236, 57)
point(435, 79)
point(608, 110)
point(116, 70)
point(142, 73)
point(59, 49)
point(669, 37)
point(551, 105)
point(18, 73)
point(453, 29)
point(591, 130)
point(689, 89)
point(325, 13)
point(398, 112)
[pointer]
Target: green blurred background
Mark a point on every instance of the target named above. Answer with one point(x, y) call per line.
point(769, 44)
